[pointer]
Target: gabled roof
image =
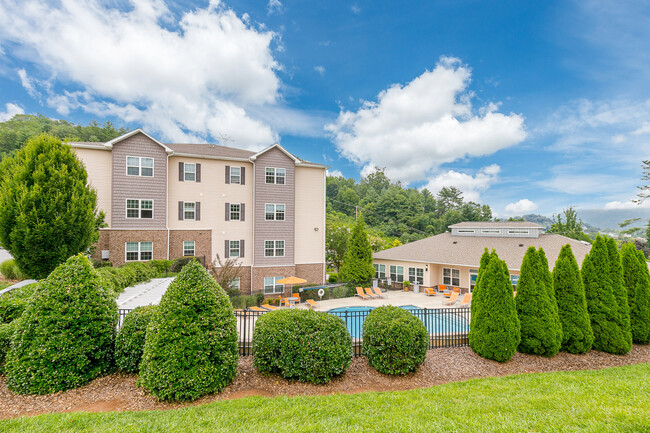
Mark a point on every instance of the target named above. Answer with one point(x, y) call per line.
point(109, 144)
point(496, 224)
point(295, 159)
point(210, 151)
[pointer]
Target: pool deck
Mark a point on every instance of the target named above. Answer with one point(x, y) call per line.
point(392, 297)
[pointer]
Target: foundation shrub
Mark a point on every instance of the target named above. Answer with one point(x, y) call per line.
point(179, 263)
point(66, 336)
point(302, 345)
point(161, 267)
point(10, 270)
point(190, 348)
point(333, 278)
point(340, 292)
point(101, 263)
point(129, 342)
point(394, 340)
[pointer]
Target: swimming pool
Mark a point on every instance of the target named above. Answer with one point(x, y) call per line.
point(437, 321)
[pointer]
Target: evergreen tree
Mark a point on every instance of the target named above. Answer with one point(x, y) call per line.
point(577, 335)
point(620, 292)
point(357, 261)
point(47, 210)
point(541, 333)
point(477, 300)
point(494, 333)
point(636, 282)
point(601, 303)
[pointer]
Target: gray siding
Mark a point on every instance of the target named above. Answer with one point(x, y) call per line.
point(272, 193)
point(138, 187)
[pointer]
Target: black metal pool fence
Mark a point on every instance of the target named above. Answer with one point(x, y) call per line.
point(448, 327)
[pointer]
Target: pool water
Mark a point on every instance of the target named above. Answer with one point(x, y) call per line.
point(437, 321)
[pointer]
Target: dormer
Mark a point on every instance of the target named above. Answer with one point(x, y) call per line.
point(500, 229)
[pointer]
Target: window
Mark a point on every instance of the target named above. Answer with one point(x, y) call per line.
point(188, 248)
point(518, 232)
point(473, 276)
point(139, 251)
point(235, 174)
point(235, 212)
point(139, 208)
point(380, 271)
point(491, 231)
point(139, 166)
point(235, 284)
point(274, 212)
point(273, 248)
point(416, 275)
point(190, 172)
point(514, 279)
point(233, 249)
point(451, 277)
point(189, 210)
point(270, 285)
point(465, 231)
point(276, 175)
point(397, 273)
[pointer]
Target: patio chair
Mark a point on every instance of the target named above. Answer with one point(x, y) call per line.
point(283, 301)
point(258, 309)
point(467, 300)
point(452, 299)
point(361, 294)
point(453, 290)
point(369, 292)
point(377, 292)
point(430, 291)
point(441, 288)
point(270, 307)
point(312, 304)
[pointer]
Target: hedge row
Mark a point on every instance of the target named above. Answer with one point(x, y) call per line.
point(129, 343)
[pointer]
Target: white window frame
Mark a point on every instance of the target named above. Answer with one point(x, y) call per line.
point(193, 210)
point(275, 247)
point(139, 251)
point(275, 212)
point(448, 280)
point(514, 280)
point(140, 166)
point(190, 172)
point(416, 278)
point(186, 249)
point(275, 288)
point(235, 178)
point(518, 232)
point(272, 174)
point(234, 246)
point(380, 271)
point(471, 273)
point(236, 212)
point(139, 208)
point(395, 275)
point(491, 231)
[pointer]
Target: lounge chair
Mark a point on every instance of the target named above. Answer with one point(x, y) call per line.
point(453, 290)
point(258, 309)
point(452, 299)
point(369, 292)
point(311, 303)
point(270, 307)
point(361, 294)
point(430, 291)
point(377, 292)
point(467, 300)
point(514, 294)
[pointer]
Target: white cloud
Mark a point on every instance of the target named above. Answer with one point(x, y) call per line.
point(627, 205)
point(10, 111)
point(320, 69)
point(335, 173)
point(274, 6)
point(26, 82)
point(412, 129)
point(355, 9)
point(521, 207)
point(471, 186)
point(201, 80)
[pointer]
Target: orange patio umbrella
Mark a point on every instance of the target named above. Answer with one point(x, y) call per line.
point(290, 281)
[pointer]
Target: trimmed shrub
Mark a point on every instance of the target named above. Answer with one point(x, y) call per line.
point(601, 303)
point(636, 283)
point(162, 267)
point(190, 348)
point(394, 340)
point(6, 332)
point(13, 304)
point(541, 332)
point(10, 270)
point(620, 292)
point(577, 335)
point(129, 342)
point(179, 263)
point(101, 263)
point(494, 331)
point(340, 292)
point(333, 278)
point(66, 336)
point(303, 345)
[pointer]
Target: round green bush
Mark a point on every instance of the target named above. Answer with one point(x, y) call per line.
point(162, 267)
point(180, 263)
point(129, 342)
point(394, 340)
point(190, 347)
point(303, 345)
point(10, 270)
point(6, 332)
point(66, 336)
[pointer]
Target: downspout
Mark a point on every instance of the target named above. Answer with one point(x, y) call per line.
point(167, 200)
point(324, 223)
point(253, 246)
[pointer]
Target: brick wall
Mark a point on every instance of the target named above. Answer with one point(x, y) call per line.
point(312, 272)
point(202, 243)
point(115, 241)
point(275, 271)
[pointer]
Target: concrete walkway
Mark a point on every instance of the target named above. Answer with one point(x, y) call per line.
point(143, 294)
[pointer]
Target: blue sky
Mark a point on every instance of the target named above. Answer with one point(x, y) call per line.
point(527, 106)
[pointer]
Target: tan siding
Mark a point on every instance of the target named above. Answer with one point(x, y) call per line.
point(98, 166)
point(310, 209)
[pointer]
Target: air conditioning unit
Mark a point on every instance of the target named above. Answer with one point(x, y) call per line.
point(104, 254)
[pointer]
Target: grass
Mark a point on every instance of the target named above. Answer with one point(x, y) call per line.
point(611, 400)
point(5, 284)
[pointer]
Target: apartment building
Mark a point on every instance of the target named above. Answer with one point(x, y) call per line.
point(164, 201)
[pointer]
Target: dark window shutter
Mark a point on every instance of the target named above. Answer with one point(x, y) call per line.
point(227, 211)
point(243, 175)
point(180, 210)
point(181, 171)
point(242, 215)
point(226, 249)
point(227, 174)
point(198, 172)
point(197, 208)
point(241, 248)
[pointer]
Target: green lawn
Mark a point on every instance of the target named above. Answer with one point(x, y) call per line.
point(612, 400)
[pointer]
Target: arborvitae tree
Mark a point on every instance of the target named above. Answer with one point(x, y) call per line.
point(620, 293)
point(601, 303)
point(494, 333)
point(477, 300)
point(357, 262)
point(47, 210)
point(541, 333)
point(636, 282)
point(577, 335)
point(65, 337)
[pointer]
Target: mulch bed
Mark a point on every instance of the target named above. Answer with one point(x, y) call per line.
point(118, 392)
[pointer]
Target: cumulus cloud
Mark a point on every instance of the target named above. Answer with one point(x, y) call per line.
point(335, 173)
point(521, 207)
point(471, 185)
point(199, 75)
point(274, 6)
point(320, 69)
point(627, 205)
point(414, 128)
point(10, 111)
